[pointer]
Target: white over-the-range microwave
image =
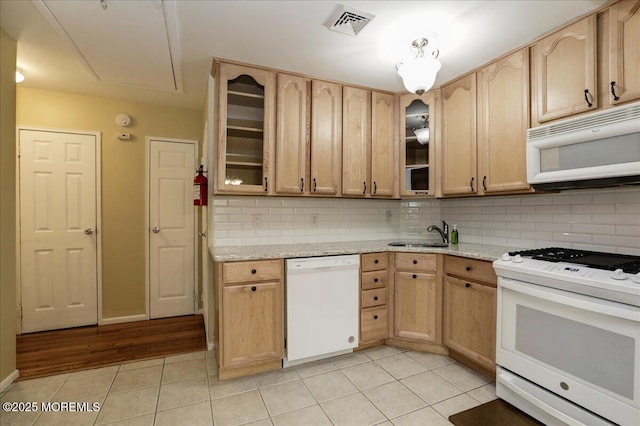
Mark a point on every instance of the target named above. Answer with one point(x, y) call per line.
point(593, 150)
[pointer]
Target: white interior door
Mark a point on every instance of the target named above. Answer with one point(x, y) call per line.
point(171, 228)
point(58, 247)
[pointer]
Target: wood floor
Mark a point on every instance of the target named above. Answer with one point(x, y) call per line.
point(59, 351)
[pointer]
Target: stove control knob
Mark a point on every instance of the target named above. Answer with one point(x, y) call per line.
point(505, 257)
point(636, 278)
point(517, 259)
point(618, 274)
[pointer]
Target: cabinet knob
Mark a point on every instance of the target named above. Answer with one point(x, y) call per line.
point(468, 268)
point(467, 285)
point(376, 261)
point(415, 262)
point(254, 288)
point(375, 297)
point(375, 280)
point(375, 317)
point(253, 271)
point(415, 276)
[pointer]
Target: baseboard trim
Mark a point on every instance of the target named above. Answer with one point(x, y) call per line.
point(4, 385)
point(129, 318)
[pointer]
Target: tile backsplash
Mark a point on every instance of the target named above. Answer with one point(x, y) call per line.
point(592, 219)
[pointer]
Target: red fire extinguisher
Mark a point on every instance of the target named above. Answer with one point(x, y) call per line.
point(200, 188)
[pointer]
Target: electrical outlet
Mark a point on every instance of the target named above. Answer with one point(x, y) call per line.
point(388, 216)
point(256, 220)
point(314, 219)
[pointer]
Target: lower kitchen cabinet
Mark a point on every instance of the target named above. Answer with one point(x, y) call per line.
point(470, 312)
point(374, 278)
point(417, 298)
point(250, 317)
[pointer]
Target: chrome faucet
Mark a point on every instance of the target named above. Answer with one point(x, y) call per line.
point(444, 232)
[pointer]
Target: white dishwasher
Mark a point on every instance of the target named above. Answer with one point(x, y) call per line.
point(322, 298)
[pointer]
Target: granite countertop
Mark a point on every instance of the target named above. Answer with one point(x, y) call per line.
point(280, 251)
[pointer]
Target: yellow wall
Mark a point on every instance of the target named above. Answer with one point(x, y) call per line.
point(7, 205)
point(123, 177)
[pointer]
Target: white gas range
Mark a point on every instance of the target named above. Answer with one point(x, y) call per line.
point(568, 335)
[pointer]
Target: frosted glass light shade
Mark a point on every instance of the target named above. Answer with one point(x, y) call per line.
point(419, 74)
point(422, 134)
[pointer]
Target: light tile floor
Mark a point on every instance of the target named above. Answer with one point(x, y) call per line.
point(382, 385)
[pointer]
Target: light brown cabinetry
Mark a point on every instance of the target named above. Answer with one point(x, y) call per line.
point(417, 298)
point(374, 280)
point(326, 138)
point(249, 307)
point(564, 71)
point(417, 168)
point(291, 134)
point(458, 150)
point(369, 156)
point(245, 119)
point(470, 312)
point(503, 120)
point(624, 52)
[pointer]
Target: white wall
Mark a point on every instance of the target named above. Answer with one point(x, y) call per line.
point(592, 219)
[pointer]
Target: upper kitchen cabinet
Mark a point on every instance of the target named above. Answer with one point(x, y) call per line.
point(291, 135)
point(384, 157)
point(503, 120)
point(326, 138)
point(356, 140)
point(417, 171)
point(458, 147)
point(245, 128)
point(624, 51)
point(564, 72)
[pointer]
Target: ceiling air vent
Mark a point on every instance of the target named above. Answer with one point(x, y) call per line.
point(348, 20)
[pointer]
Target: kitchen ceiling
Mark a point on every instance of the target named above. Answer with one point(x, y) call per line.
point(160, 51)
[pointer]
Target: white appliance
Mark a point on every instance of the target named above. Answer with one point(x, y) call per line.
point(568, 336)
point(596, 149)
point(322, 300)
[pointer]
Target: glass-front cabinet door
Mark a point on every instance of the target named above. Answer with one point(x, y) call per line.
point(245, 133)
point(417, 132)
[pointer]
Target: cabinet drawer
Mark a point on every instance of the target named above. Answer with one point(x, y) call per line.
point(373, 324)
point(374, 279)
point(375, 297)
point(478, 270)
point(261, 270)
point(416, 261)
point(374, 261)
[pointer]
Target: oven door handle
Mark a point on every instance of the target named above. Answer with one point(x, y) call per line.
point(580, 301)
point(506, 381)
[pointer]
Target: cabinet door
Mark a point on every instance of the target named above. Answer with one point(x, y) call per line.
point(246, 133)
point(291, 135)
point(326, 137)
point(252, 323)
point(417, 169)
point(356, 141)
point(624, 54)
point(459, 175)
point(564, 67)
point(470, 320)
point(383, 149)
point(503, 120)
point(415, 306)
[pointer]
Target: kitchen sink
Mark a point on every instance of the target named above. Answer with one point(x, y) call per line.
point(418, 244)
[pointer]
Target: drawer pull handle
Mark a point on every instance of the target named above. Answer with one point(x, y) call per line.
point(467, 285)
point(253, 271)
point(254, 288)
point(375, 297)
point(375, 280)
point(376, 261)
point(415, 262)
point(468, 268)
point(415, 276)
point(375, 317)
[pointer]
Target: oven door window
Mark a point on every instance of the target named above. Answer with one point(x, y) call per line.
point(597, 349)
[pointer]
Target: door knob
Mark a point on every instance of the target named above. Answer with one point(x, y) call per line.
point(88, 231)
point(156, 229)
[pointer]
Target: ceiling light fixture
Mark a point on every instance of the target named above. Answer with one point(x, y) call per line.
point(19, 76)
point(419, 74)
point(422, 134)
